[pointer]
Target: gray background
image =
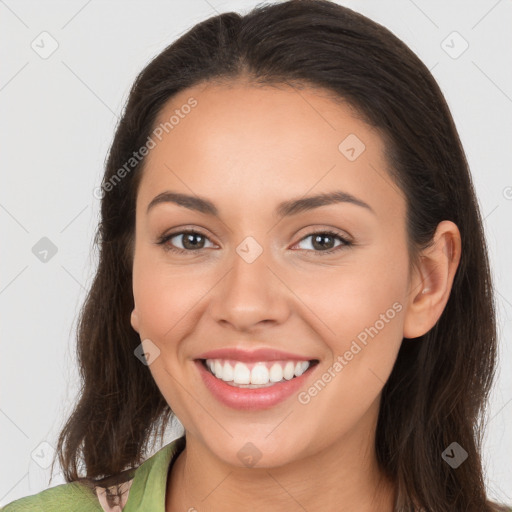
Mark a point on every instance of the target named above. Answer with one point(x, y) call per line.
point(58, 115)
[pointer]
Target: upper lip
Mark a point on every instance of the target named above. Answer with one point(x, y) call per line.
point(252, 356)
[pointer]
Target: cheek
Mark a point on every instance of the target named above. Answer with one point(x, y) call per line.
point(358, 296)
point(168, 297)
point(363, 305)
point(363, 310)
point(165, 299)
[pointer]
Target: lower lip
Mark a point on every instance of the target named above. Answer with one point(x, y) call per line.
point(252, 399)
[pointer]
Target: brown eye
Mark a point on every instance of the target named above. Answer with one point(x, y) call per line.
point(191, 241)
point(322, 242)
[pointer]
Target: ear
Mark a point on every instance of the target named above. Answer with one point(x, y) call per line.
point(432, 280)
point(134, 319)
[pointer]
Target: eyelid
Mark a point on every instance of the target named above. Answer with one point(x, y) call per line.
point(192, 228)
point(312, 230)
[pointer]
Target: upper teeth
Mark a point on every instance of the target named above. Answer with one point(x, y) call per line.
point(261, 372)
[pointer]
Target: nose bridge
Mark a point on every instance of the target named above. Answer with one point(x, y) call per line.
point(250, 268)
point(249, 293)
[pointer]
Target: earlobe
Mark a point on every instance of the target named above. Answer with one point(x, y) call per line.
point(134, 320)
point(432, 281)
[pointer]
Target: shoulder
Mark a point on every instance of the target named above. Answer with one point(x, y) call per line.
point(65, 497)
point(108, 494)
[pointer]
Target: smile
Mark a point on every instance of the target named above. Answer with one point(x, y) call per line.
point(254, 375)
point(254, 386)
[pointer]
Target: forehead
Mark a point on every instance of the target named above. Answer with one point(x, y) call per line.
point(266, 144)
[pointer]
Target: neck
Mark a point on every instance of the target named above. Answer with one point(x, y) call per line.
point(343, 478)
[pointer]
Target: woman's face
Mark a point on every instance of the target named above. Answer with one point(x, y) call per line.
point(257, 276)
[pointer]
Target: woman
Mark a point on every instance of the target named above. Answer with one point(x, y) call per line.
point(293, 264)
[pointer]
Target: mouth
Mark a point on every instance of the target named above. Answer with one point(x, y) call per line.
point(254, 385)
point(258, 374)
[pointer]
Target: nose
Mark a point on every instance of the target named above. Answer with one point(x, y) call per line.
point(249, 296)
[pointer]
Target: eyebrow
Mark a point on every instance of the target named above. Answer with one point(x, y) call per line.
point(284, 209)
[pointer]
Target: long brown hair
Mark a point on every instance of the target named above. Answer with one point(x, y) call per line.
point(440, 383)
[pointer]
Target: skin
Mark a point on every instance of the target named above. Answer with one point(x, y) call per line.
point(246, 149)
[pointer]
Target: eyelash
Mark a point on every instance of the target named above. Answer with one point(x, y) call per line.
point(169, 248)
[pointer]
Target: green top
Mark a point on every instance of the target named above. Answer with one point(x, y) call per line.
point(143, 490)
